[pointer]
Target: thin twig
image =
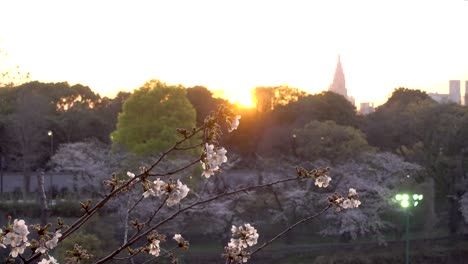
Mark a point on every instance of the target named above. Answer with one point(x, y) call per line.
point(289, 229)
point(131, 255)
point(133, 207)
point(151, 218)
point(175, 171)
point(190, 147)
point(175, 146)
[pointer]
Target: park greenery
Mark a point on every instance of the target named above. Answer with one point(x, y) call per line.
point(166, 164)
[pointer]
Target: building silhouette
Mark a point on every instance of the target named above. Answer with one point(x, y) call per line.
point(366, 108)
point(339, 83)
point(454, 92)
point(454, 95)
point(466, 92)
point(440, 98)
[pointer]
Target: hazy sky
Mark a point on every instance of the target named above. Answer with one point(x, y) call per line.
point(237, 45)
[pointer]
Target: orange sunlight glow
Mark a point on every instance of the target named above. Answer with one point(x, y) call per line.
point(243, 101)
point(240, 98)
point(275, 42)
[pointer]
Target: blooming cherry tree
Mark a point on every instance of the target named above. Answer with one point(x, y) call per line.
point(153, 181)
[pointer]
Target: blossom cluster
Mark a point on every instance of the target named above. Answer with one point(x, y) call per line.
point(51, 260)
point(154, 240)
point(154, 248)
point(243, 237)
point(45, 243)
point(175, 191)
point(322, 179)
point(213, 155)
point(213, 158)
point(350, 201)
point(15, 236)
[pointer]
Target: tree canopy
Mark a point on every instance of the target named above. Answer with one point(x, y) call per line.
point(327, 140)
point(151, 116)
point(398, 122)
point(202, 100)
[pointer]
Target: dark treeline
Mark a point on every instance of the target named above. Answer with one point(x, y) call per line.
point(286, 123)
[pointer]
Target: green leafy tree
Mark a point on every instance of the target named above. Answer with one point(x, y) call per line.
point(151, 115)
point(327, 140)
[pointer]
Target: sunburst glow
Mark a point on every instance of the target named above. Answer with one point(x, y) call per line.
point(275, 42)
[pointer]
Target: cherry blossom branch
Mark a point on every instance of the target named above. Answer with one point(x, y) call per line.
point(133, 207)
point(150, 218)
point(245, 189)
point(83, 219)
point(175, 171)
point(290, 228)
point(117, 190)
point(190, 147)
point(131, 255)
point(166, 252)
point(174, 147)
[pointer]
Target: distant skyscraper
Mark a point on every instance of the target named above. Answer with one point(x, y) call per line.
point(339, 86)
point(454, 94)
point(366, 108)
point(466, 93)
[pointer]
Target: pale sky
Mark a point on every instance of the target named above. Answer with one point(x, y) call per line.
point(238, 45)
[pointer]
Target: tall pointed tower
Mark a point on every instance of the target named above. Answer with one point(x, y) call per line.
point(339, 86)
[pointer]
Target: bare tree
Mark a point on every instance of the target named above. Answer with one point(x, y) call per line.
point(28, 132)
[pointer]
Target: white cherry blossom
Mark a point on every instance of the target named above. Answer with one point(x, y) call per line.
point(322, 181)
point(154, 248)
point(214, 157)
point(52, 243)
point(178, 238)
point(51, 260)
point(234, 123)
point(175, 191)
point(177, 194)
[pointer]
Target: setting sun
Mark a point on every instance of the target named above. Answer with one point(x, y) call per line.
point(241, 98)
point(274, 43)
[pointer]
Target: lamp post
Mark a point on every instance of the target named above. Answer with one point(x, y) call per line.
point(294, 145)
point(406, 201)
point(51, 135)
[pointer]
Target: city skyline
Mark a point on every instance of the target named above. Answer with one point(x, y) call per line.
point(234, 47)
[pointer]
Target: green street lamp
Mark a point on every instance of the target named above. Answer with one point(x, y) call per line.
point(408, 200)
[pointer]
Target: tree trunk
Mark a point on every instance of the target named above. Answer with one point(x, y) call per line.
point(126, 216)
point(26, 179)
point(42, 198)
point(455, 216)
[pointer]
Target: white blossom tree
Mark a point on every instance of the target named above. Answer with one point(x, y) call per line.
point(162, 185)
